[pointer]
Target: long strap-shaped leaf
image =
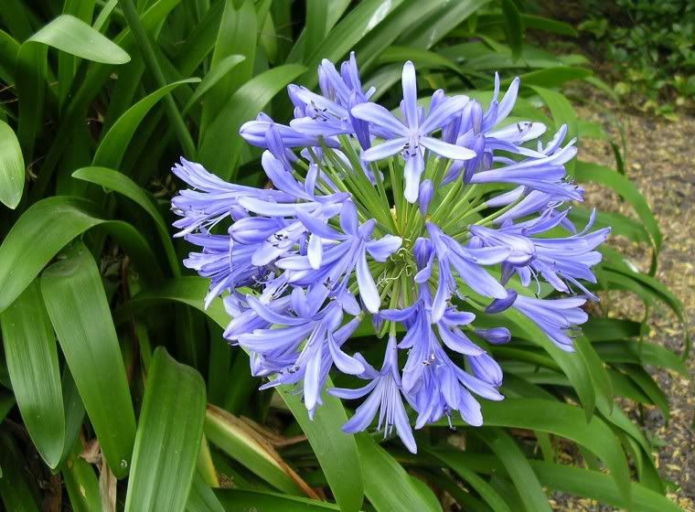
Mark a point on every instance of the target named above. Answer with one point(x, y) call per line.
point(77, 305)
point(386, 484)
point(11, 167)
point(122, 184)
point(32, 362)
point(518, 468)
point(242, 443)
point(168, 437)
point(221, 145)
point(46, 227)
point(565, 421)
point(115, 142)
point(337, 454)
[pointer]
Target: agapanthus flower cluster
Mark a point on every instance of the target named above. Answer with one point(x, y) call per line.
point(415, 223)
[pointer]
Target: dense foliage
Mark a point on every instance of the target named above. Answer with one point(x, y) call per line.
point(652, 46)
point(118, 389)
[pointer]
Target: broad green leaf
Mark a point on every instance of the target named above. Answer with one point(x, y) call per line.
point(16, 490)
point(435, 27)
point(553, 77)
point(598, 486)
point(649, 287)
point(423, 59)
point(82, 484)
point(110, 179)
point(202, 498)
point(11, 167)
point(168, 438)
point(640, 352)
point(239, 441)
point(648, 386)
point(405, 15)
point(481, 486)
point(77, 305)
point(115, 143)
point(565, 421)
point(518, 468)
point(560, 108)
point(386, 484)
point(336, 451)
point(571, 365)
point(610, 329)
point(74, 413)
point(221, 145)
point(186, 290)
point(514, 27)
point(9, 48)
point(217, 73)
point(588, 172)
point(238, 34)
point(71, 35)
point(597, 371)
point(32, 362)
point(46, 227)
point(362, 20)
point(237, 500)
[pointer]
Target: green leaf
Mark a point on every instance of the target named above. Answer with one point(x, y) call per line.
point(220, 148)
point(553, 77)
point(362, 20)
point(405, 15)
point(32, 362)
point(237, 34)
point(71, 35)
point(82, 484)
point(548, 25)
point(518, 468)
point(237, 500)
point(217, 73)
point(45, 228)
point(115, 143)
point(423, 59)
point(560, 108)
point(77, 305)
point(572, 366)
point(9, 48)
point(336, 451)
point(484, 489)
point(239, 441)
point(598, 486)
point(565, 421)
point(386, 484)
point(16, 490)
point(168, 438)
point(202, 498)
point(588, 172)
point(110, 179)
point(514, 27)
point(186, 290)
point(435, 27)
point(642, 353)
point(11, 167)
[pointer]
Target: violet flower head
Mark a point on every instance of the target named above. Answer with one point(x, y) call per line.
point(430, 227)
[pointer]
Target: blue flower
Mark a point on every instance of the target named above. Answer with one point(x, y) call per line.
point(335, 240)
point(411, 136)
point(385, 397)
point(326, 270)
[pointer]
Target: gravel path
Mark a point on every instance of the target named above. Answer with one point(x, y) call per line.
point(661, 162)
